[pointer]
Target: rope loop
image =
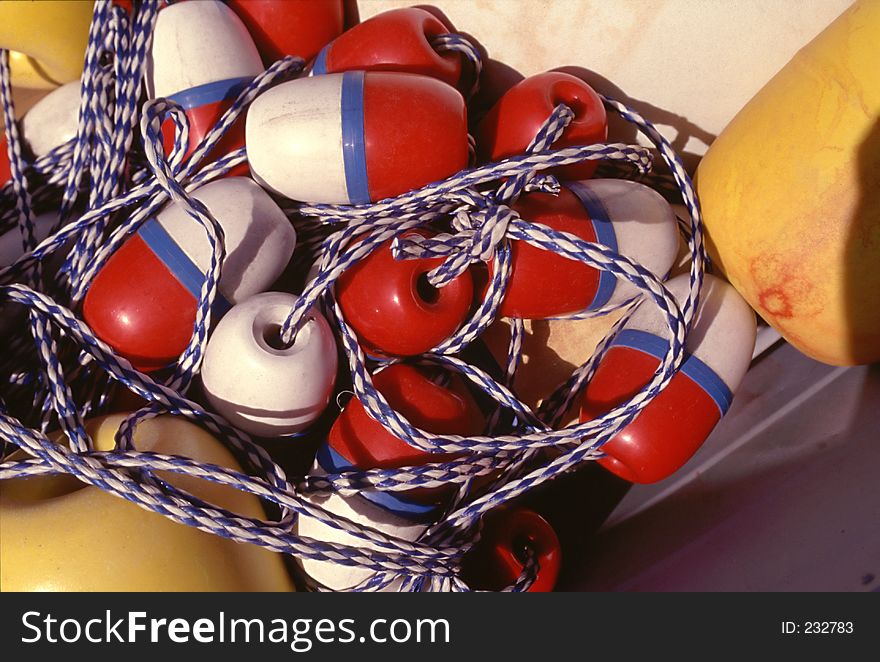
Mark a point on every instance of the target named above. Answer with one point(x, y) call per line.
point(451, 42)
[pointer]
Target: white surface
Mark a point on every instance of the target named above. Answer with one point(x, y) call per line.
point(197, 43)
point(259, 239)
point(339, 577)
point(766, 338)
point(53, 120)
point(294, 140)
point(724, 329)
point(644, 225)
point(689, 66)
point(263, 390)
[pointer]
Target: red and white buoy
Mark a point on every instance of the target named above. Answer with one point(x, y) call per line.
point(143, 301)
point(357, 441)
point(625, 216)
point(356, 137)
point(674, 425)
point(202, 57)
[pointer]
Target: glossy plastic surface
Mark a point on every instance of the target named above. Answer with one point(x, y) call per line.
point(358, 441)
point(395, 40)
point(364, 442)
point(415, 132)
point(49, 123)
point(543, 284)
point(669, 430)
point(150, 329)
point(282, 27)
point(497, 559)
point(515, 120)
point(61, 535)
point(52, 121)
point(393, 308)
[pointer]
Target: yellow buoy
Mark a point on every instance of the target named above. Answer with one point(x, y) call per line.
point(790, 192)
point(58, 534)
point(48, 40)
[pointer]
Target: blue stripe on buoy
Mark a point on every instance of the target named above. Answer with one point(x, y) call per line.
point(181, 267)
point(699, 372)
point(353, 148)
point(604, 230)
point(319, 68)
point(332, 462)
point(202, 95)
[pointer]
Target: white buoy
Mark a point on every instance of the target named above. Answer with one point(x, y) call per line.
point(52, 121)
point(260, 386)
point(197, 44)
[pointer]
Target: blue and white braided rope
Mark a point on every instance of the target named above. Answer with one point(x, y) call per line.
point(482, 227)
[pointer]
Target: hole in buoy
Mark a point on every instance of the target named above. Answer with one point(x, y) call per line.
point(574, 102)
point(272, 336)
point(521, 546)
point(427, 292)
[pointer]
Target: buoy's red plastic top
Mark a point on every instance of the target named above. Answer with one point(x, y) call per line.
point(396, 40)
point(437, 409)
point(498, 558)
point(515, 120)
point(415, 132)
point(393, 308)
point(5, 173)
point(542, 283)
point(282, 27)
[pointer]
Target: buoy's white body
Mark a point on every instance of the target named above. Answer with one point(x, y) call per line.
point(259, 238)
point(643, 226)
point(197, 43)
point(723, 332)
point(300, 122)
point(339, 577)
point(263, 389)
point(52, 121)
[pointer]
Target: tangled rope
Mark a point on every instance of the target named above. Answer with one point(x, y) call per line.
point(72, 372)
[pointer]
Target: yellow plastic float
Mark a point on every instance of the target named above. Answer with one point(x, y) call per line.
point(790, 193)
point(48, 40)
point(58, 534)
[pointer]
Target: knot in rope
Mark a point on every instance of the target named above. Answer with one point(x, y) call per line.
point(155, 112)
point(479, 233)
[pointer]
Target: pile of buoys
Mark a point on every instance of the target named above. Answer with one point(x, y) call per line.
point(320, 275)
